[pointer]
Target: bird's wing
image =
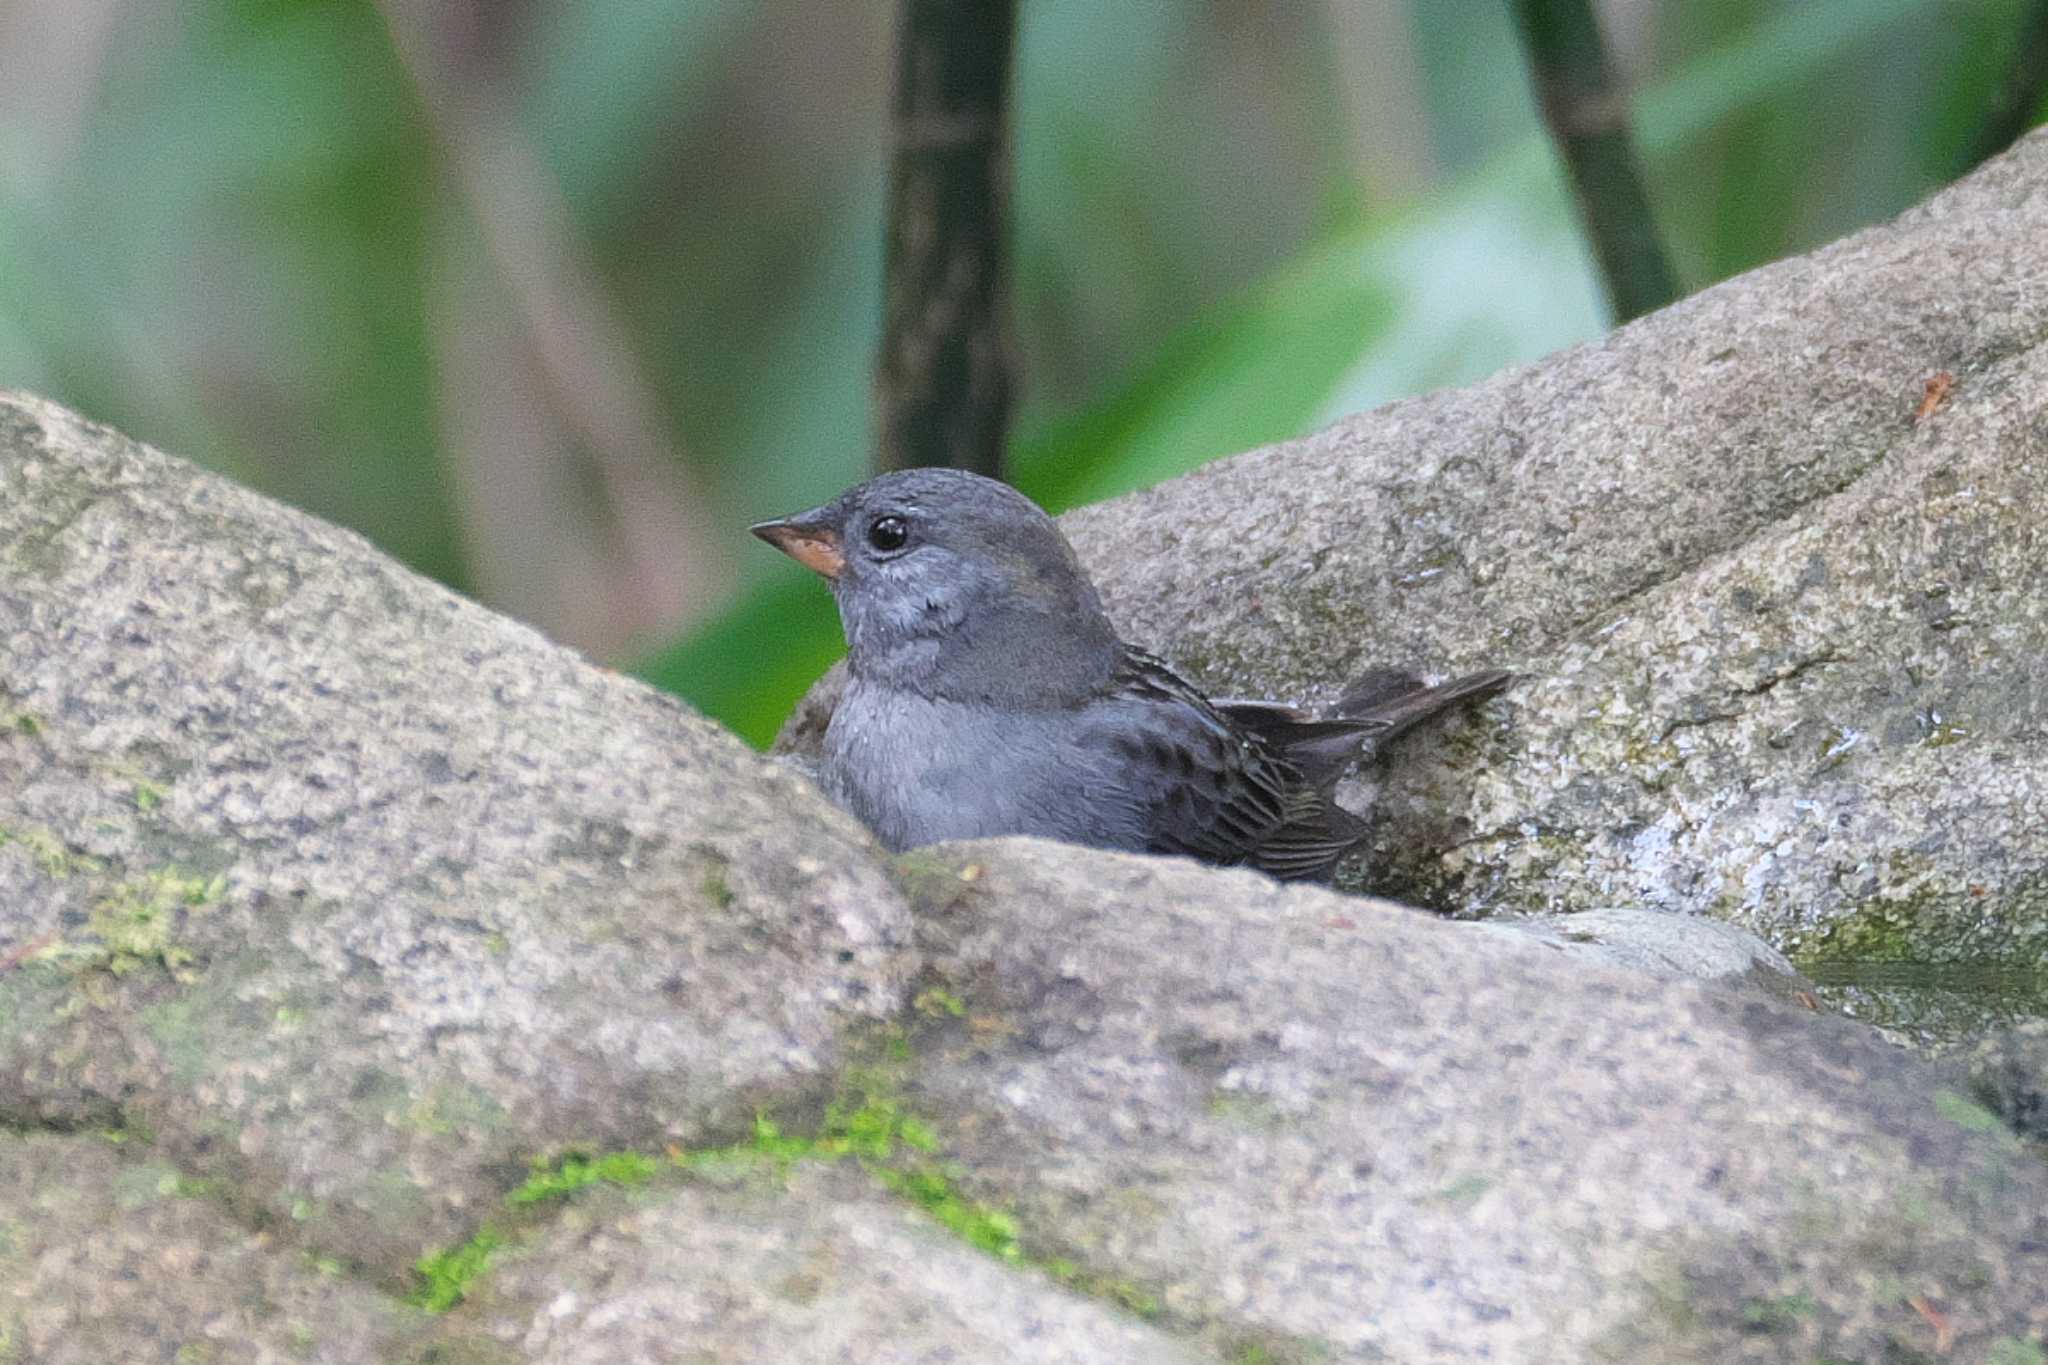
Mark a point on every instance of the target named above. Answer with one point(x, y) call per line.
point(1320, 749)
point(1391, 702)
point(1217, 785)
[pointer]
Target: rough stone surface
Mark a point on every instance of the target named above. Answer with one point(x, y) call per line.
point(1663, 944)
point(1784, 634)
point(814, 1268)
point(358, 897)
point(1938, 1008)
point(1386, 1137)
point(2008, 1074)
point(104, 1259)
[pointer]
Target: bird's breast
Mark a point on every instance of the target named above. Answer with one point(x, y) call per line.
point(919, 770)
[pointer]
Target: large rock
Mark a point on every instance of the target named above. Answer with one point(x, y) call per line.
point(1686, 947)
point(818, 1268)
point(360, 898)
point(106, 1257)
point(1367, 1134)
point(1784, 629)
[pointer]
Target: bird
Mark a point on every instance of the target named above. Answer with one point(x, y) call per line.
point(987, 693)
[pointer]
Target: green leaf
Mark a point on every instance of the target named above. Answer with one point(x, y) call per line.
point(1258, 370)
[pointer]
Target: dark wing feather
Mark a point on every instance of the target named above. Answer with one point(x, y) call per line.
point(1251, 782)
point(1232, 788)
point(1321, 749)
point(1392, 703)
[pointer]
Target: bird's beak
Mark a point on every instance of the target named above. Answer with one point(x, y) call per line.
point(808, 538)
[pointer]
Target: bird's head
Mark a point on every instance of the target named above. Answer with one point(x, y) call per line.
point(955, 586)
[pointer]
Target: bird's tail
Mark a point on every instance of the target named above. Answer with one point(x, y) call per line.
point(1391, 702)
point(1382, 705)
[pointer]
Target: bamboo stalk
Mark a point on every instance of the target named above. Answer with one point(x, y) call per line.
point(1587, 114)
point(944, 381)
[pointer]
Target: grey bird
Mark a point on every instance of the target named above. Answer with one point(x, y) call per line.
point(987, 693)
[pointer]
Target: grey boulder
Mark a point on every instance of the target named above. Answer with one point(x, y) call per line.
point(358, 898)
point(1359, 1133)
point(1782, 614)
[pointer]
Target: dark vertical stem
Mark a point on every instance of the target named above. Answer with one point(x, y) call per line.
point(2020, 96)
point(1587, 114)
point(943, 384)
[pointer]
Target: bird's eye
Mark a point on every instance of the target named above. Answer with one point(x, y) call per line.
point(888, 533)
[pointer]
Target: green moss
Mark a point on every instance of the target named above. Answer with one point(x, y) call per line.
point(138, 1186)
point(135, 925)
point(934, 884)
point(575, 1171)
point(866, 1123)
point(2013, 1351)
point(1927, 914)
point(178, 1185)
point(148, 796)
point(1958, 1110)
point(1779, 1314)
point(936, 1001)
point(52, 857)
point(1877, 931)
point(931, 1189)
point(1274, 1349)
point(446, 1276)
point(1126, 1294)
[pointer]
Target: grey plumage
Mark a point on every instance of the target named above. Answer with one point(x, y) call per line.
point(987, 693)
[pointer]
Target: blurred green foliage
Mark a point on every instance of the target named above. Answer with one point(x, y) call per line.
point(242, 230)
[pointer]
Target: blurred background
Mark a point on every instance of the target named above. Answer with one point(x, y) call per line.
point(551, 298)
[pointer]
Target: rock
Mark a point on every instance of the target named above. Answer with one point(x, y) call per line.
point(1783, 633)
point(104, 1257)
point(360, 898)
point(1373, 1135)
point(814, 1268)
point(1937, 1008)
point(2008, 1074)
point(1663, 944)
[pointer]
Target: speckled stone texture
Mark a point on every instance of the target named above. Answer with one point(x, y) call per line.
point(359, 898)
point(1375, 1135)
point(811, 1266)
point(1784, 635)
point(1681, 947)
point(111, 1256)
